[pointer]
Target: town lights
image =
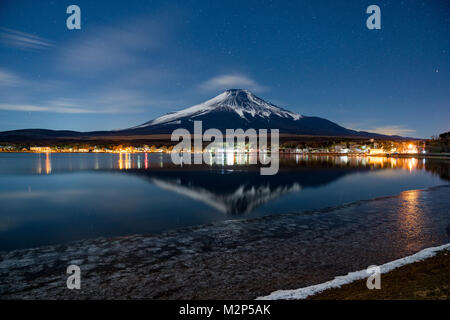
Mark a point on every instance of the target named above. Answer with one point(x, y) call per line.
point(412, 148)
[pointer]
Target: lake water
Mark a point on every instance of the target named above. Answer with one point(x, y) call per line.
point(56, 198)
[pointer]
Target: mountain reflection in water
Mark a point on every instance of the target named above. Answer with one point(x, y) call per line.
point(228, 183)
point(234, 191)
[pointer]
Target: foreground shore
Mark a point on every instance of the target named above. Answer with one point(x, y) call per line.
point(237, 259)
point(424, 280)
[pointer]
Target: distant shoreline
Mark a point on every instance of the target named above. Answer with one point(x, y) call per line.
point(382, 155)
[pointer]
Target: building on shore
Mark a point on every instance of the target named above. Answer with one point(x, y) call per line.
point(40, 149)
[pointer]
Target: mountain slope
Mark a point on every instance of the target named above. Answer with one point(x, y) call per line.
point(236, 108)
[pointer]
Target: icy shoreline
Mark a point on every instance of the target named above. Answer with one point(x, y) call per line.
point(339, 281)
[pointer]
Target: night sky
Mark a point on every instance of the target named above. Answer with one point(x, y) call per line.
point(135, 60)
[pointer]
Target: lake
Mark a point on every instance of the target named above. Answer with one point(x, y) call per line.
point(57, 197)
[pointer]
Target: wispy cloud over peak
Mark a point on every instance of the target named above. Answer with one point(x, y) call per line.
point(23, 40)
point(227, 81)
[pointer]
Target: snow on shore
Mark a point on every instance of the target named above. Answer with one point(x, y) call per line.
point(339, 281)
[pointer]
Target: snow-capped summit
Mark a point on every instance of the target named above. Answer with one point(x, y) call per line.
point(242, 102)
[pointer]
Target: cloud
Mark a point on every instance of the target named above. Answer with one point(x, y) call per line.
point(24, 95)
point(23, 40)
point(113, 48)
point(393, 130)
point(34, 108)
point(111, 101)
point(21, 107)
point(9, 79)
point(112, 69)
point(68, 106)
point(231, 81)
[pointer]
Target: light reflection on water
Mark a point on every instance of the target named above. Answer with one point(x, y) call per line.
point(52, 198)
point(411, 219)
point(126, 161)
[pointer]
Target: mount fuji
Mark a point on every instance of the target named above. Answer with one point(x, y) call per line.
point(232, 109)
point(238, 108)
